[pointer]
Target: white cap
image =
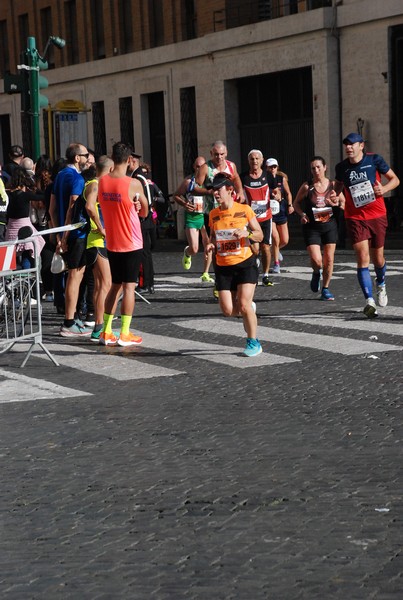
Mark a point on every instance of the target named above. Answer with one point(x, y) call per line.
point(271, 162)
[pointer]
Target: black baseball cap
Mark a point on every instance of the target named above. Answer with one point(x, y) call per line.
point(220, 180)
point(16, 151)
point(135, 155)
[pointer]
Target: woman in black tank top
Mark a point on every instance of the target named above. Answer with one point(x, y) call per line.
point(314, 204)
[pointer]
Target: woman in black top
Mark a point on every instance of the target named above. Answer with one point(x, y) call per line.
point(18, 215)
point(313, 204)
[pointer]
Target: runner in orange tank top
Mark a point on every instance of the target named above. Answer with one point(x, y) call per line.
point(122, 201)
point(233, 227)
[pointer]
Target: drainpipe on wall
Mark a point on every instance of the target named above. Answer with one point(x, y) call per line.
point(336, 34)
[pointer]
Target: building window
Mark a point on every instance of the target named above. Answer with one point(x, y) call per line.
point(189, 128)
point(126, 41)
point(126, 120)
point(23, 30)
point(98, 35)
point(70, 25)
point(188, 19)
point(47, 31)
point(98, 125)
point(156, 16)
point(4, 53)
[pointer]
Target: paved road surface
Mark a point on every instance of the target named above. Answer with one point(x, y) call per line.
point(181, 469)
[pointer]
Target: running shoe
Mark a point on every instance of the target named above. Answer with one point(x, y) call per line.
point(186, 260)
point(370, 309)
point(129, 339)
point(254, 306)
point(315, 281)
point(280, 257)
point(75, 330)
point(266, 281)
point(206, 278)
point(253, 347)
point(381, 295)
point(108, 339)
point(48, 297)
point(258, 262)
point(326, 294)
point(89, 320)
point(276, 269)
point(96, 335)
point(215, 293)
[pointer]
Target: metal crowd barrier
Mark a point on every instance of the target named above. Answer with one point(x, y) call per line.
point(20, 302)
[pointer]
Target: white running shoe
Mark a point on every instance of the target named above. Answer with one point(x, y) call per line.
point(381, 295)
point(370, 309)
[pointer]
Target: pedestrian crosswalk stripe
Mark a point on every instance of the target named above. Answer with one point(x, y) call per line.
point(358, 324)
point(104, 362)
point(20, 388)
point(326, 343)
point(226, 354)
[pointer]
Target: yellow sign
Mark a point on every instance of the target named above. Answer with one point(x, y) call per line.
point(69, 106)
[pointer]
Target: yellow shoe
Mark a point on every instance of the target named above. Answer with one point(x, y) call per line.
point(206, 278)
point(186, 260)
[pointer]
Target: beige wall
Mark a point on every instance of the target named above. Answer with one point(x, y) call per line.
point(305, 39)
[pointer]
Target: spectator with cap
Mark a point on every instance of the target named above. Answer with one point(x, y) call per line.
point(15, 155)
point(362, 175)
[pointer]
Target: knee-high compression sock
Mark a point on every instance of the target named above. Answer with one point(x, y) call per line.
point(380, 274)
point(364, 279)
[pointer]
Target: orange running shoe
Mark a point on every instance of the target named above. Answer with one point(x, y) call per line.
point(107, 339)
point(129, 339)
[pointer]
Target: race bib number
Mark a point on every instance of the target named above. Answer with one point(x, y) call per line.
point(362, 193)
point(197, 202)
point(275, 207)
point(259, 207)
point(322, 214)
point(227, 243)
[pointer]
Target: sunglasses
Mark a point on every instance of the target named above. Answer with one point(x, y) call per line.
point(86, 154)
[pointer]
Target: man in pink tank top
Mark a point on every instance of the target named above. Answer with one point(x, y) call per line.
point(122, 201)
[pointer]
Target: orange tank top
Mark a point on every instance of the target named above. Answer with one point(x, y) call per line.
point(121, 220)
point(229, 249)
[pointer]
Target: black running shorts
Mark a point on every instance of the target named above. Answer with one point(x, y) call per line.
point(228, 278)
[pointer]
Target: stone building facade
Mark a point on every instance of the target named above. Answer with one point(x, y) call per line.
point(171, 76)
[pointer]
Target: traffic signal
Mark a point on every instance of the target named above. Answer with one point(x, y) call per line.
point(43, 83)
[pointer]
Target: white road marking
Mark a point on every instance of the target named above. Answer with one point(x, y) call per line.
point(109, 365)
point(358, 324)
point(227, 354)
point(20, 388)
point(327, 343)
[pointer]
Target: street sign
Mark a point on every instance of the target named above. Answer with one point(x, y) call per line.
point(13, 84)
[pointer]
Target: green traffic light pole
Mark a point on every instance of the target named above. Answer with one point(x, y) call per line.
point(36, 82)
point(35, 62)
